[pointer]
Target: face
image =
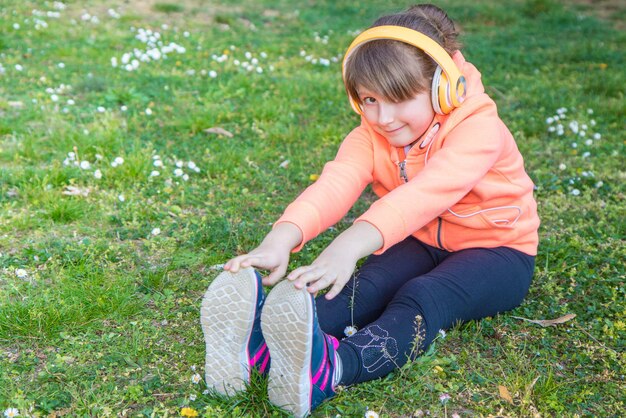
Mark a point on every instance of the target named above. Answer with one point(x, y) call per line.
point(399, 123)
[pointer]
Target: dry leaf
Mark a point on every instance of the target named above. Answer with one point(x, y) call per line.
point(218, 131)
point(75, 191)
point(549, 322)
point(504, 394)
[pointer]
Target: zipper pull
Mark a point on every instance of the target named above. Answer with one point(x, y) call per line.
point(403, 176)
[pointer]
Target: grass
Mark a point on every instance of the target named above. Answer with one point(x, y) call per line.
point(99, 311)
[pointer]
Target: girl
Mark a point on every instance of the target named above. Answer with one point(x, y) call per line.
point(451, 238)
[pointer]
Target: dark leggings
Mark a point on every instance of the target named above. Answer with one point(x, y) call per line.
point(399, 301)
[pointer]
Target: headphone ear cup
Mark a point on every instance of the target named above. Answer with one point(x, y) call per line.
point(434, 91)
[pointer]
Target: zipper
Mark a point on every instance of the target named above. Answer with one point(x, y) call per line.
point(403, 176)
point(439, 223)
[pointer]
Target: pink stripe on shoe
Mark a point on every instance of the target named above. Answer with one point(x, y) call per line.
point(258, 354)
point(318, 374)
point(265, 362)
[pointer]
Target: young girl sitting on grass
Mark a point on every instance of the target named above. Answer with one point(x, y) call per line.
point(452, 237)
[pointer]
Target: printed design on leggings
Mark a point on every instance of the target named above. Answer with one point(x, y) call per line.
point(377, 347)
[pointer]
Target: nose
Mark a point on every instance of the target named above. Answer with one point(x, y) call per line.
point(385, 113)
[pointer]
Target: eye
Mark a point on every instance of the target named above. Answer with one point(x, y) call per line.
point(369, 100)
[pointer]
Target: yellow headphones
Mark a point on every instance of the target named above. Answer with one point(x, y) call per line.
point(444, 97)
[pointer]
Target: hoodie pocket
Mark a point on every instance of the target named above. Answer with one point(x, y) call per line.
point(499, 217)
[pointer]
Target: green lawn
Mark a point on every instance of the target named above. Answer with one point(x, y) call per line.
point(118, 202)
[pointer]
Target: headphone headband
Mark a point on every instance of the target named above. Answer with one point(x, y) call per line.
point(420, 41)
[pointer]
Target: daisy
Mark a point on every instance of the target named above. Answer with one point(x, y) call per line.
point(156, 231)
point(371, 414)
point(195, 379)
point(21, 273)
point(349, 331)
point(11, 412)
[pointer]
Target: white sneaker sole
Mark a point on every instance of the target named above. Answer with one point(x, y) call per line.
point(287, 324)
point(227, 317)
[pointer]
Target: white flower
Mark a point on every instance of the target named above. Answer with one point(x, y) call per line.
point(192, 397)
point(575, 192)
point(98, 157)
point(154, 173)
point(590, 111)
point(119, 160)
point(18, 67)
point(599, 184)
point(562, 167)
point(212, 74)
point(191, 165)
point(156, 231)
point(589, 142)
point(178, 172)
point(85, 165)
point(158, 163)
point(61, 65)
point(574, 145)
point(121, 198)
point(444, 397)
point(349, 331)
point(195, 379)
point(97, 174)
point(71, 102)
point(54, 98)
point(179, 164)
point(186, 177)
point(148, 111)
point(442, 333)
point(597, 136)
point(101, 109)
point(124, 108)
point(16, 26)
point(371, 414)
point(11, 412)
point(21, 273)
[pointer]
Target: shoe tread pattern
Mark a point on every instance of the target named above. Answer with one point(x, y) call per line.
point(227, 315)
point(286, 321)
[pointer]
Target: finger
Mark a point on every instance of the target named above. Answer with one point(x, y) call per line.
point(299, 272)
point(337, 287)
point(251, 261)
point(275, 276)
point(322, 283)
point(308, 278)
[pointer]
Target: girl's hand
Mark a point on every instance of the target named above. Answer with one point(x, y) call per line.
point(265, 257)
point(330, 268)
point(272, 254)
point(336, 263)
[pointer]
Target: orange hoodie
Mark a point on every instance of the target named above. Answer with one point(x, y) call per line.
point(461, 185)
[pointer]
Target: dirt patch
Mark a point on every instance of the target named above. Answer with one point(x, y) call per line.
point(610, 10)
point(172, 12)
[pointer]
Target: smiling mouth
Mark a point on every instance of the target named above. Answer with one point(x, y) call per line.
point(393, 130)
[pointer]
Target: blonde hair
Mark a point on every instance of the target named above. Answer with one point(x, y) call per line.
point(397, 71)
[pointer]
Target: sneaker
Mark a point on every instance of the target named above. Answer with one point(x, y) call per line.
point(303, 357)
point(230, 317)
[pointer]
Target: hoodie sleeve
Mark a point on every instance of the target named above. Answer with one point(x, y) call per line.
point(342, 181)
point(469, 150)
